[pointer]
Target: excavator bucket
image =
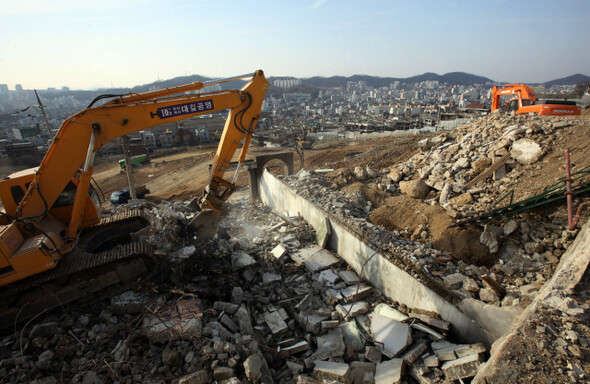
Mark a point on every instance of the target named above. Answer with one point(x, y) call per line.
point(205, 224)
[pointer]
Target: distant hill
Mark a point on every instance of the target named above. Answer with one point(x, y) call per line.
point(459, 78)
point(570, 80)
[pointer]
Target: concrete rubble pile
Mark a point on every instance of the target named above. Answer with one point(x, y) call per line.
point(260, 304)
point(527, 250)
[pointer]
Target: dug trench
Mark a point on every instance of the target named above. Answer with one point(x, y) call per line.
point(349, 276)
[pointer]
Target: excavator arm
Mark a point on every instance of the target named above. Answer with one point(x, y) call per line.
point(70, 157)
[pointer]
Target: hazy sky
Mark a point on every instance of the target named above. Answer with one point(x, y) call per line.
point(103, 43)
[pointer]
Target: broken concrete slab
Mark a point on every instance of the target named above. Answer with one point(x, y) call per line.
point(389, 372)
point(271, 277)
point(352, 336)
point(328, 277)
point(390, 312)
point(349, 311)
point(330, 345)
point(181, 321)
point(349, 277)
point(322, 259)
point(462, 368)
point(294, 348)
point(329, 370)
point(431, 361)
point(414, 352)
point(275, 323)
point(393, 335)
point(279, 251)
point(356, 292)
point(440, 324)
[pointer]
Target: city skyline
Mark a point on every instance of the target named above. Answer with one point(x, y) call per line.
point(88, 45)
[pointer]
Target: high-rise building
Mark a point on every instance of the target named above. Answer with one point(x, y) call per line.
point(18, 87)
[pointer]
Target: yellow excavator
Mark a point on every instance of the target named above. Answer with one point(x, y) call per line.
point(52, 224)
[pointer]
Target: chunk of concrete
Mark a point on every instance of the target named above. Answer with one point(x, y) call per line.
point(416, 189)
point(431, 361)
point(393, 335)
point(461, 368)
point(128, 302)
point(413, 353)
point(328, 277)
point(256, 369)
point(271, 277)
point(526, 151)
point(349, 311)
point(389, 372)
point(352, 336)
point(180, 322)
point(294, 349)
point(279, 251)
point(329, 370)
point(455, 280)
point(199, 377)
point(349, 277)
point(330, 345)
point(436, 323)
point(389, 312)
point(356, 292)
point(275, 322)
point(322, 259)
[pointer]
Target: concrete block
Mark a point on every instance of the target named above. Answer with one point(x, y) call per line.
point(389, 312)
point(431, 361)
point(127, 302)
point(275, 322)
point(393, 335)
point(389, 372)
point(436, 323)
point(321, 224)
point(279, 251)
point(329, 370)
point(413, 353)
point(352, 336)
point(294, 349)
point(461, 368)
point(349, 311)
point(330, 345)
point(455, 280)
point(322, 259)
point(303, 254)
point(448, 353)
point(356, 292)
point(426, 329)
point(470, 349)
point(349, 277)
point(373, 354)
point(328, 277)
point(330, 324)
point(271, 277)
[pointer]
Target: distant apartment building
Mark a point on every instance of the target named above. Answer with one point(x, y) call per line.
point(286, 83)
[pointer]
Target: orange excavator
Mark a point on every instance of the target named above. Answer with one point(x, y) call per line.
point(526, 102)
point(52, 224)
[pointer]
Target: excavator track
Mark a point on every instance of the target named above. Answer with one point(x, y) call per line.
point(83, 273)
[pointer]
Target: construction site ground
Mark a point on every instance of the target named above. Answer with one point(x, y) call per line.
point(553, 346)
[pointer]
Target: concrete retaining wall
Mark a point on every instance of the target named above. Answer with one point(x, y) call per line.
point(394, 282)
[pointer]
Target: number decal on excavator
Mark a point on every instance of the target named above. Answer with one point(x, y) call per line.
point(185, 109)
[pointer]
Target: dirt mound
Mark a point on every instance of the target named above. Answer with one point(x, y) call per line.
point(362, 194)
point(431, 223)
